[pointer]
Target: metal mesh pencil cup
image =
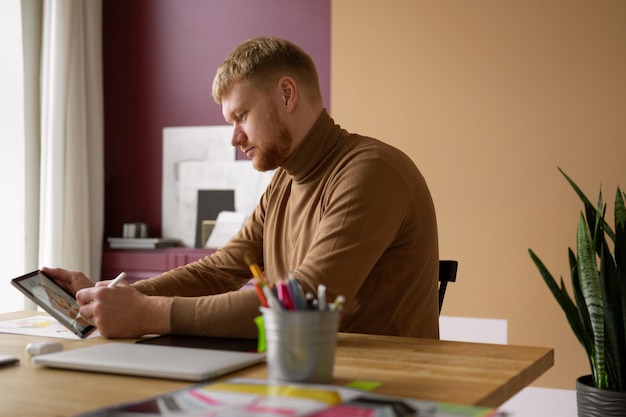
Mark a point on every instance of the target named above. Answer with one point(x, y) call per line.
point(300, 344)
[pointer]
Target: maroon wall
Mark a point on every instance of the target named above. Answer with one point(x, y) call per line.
point(159, 61)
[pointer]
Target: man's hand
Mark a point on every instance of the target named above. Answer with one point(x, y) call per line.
point(71, 281)
point(124, 312)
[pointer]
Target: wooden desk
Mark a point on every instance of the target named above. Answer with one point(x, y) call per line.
point(453, 372)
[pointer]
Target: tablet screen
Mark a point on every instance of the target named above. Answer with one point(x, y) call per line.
point(53, 299)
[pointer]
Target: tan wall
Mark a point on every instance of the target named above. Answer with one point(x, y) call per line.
point(488, 98)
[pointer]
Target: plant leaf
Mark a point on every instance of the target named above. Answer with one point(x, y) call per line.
point(613, 279)
point(585, 321)
point(598, 316)
point(589, 278)
point(590, 210)
point(566, 303)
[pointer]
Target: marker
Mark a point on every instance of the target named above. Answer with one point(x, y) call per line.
point(284, 297)
point(321, 297)
point(112, 284)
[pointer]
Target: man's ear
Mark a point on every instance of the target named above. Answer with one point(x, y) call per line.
point(288, 91)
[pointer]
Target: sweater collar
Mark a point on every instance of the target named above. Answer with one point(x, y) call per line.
point(322, 137)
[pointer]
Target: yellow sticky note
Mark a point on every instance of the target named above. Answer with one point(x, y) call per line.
point(364, 385)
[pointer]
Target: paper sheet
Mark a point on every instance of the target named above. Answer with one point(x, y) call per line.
point(262, 398)
point(226, 226)
point(41, 326)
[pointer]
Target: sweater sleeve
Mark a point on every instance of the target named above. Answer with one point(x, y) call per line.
point(229, 314)
point(210, 297)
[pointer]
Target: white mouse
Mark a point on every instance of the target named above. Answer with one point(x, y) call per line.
point(39, 348)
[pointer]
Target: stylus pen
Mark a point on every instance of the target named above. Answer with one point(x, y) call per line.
point(117, 280)
point(112, 284)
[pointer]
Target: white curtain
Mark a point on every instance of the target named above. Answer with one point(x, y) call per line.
point(72, 159)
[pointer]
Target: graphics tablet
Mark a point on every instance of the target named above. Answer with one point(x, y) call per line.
point(188, 364)
point(203, 342)
point(54, 300)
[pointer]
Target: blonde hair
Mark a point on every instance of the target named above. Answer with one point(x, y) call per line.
point(261, 62)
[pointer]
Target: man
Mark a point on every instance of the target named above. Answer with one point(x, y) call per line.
point(342, 210)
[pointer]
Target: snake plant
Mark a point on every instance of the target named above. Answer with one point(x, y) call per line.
point(597, 314)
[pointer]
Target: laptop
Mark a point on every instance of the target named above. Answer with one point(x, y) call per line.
point(168, 362)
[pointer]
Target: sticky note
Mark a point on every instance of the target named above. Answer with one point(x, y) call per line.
point(364, 385)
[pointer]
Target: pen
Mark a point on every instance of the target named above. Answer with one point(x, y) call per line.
point(296, 294)
point(310, 301)
point(112, 284)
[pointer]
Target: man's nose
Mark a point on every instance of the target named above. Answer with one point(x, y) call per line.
point(238, 138)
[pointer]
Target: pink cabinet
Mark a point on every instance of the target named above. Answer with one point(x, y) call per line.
point(142, 264)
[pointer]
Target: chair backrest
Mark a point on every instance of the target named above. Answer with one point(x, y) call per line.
point(447, 273)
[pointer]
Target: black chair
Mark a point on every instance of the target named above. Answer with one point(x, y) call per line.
point(447, 273)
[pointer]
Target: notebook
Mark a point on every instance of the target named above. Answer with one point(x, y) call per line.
point(169, 362)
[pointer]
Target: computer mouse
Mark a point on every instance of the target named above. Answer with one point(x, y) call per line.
point(39, 348)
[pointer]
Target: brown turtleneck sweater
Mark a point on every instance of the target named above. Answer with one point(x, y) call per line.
point(346, 211)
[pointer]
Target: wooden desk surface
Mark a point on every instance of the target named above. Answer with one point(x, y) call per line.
point(452, 372)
